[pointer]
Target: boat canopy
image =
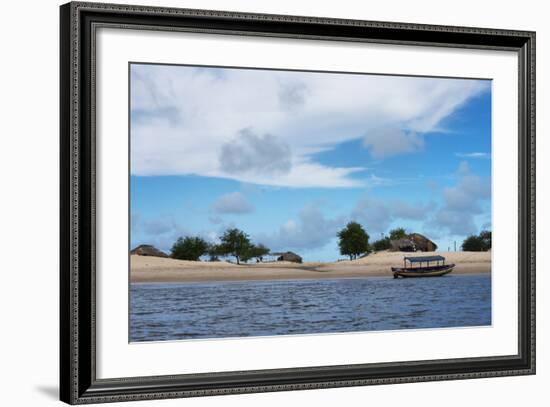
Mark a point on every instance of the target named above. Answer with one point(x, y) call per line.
point(422, 259)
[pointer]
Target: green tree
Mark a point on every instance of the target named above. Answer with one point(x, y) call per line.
point(486, 237)
point(477, 243)
point(189, 248)
point(213, 252)
point(397, 233)
point(382, 244)
point(472, 244)
point(353, 240)
point(258, 252)
point(234, 242)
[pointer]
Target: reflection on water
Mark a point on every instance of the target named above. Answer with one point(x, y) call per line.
point(250, 308)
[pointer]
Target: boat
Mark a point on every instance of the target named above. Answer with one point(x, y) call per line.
point(413, 267)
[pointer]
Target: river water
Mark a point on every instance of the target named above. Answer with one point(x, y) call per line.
point(250, 308)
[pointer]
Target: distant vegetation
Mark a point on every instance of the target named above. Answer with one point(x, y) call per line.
point(256, 252)
point(381, 244)
point(353, 240)
point(477, 243)
point(233, 242)
point(385, 242)
point(189, 248)
point(236, 243)
point(398, 233)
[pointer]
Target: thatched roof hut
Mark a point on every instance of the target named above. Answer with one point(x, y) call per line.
point(415, 242)
point(148, 250)
point(289, 256)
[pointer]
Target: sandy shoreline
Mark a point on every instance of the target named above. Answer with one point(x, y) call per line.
point(145, 269)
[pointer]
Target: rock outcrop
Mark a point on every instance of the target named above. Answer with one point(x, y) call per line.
point(415, 242)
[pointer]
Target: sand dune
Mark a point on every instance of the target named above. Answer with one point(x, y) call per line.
point(380, 263)
point(156, 269)
point(393, 258)
point(160, 263)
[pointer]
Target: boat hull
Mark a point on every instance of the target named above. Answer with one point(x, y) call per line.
point(436, 271)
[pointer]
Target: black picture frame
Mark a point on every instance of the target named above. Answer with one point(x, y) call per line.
point(78, 382)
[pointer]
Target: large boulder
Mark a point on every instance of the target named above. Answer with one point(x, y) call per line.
point(422, 243)
point(402, 245)
point(148, 250)
point(289, 256)
point(415, 242)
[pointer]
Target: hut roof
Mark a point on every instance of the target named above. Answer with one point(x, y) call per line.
point(290, 256)
point(148, 250)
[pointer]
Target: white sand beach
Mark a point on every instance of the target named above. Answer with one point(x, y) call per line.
point(155, 269)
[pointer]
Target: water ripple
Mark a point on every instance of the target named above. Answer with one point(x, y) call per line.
point(222, 310)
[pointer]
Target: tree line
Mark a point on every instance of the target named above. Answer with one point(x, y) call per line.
point(353, 241)
point(478, 243)
point(233, 242)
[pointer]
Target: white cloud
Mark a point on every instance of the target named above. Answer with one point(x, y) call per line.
point(292, 96)
point(474, 155)
point(216, 220)
point(232, 203)
point(163, 231)
point(158, 226)
point(160, 232)
point(377, 215)
point(374, 214)
point(253, 153)
point(462, 203)
point(392, 141)
point(311, 230)
point(185, 118)
point(468, 193)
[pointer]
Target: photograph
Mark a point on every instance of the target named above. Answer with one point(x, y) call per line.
point(283, 199)
point(266, 202)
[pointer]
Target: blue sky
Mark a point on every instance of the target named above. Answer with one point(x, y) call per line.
point(291, 157)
